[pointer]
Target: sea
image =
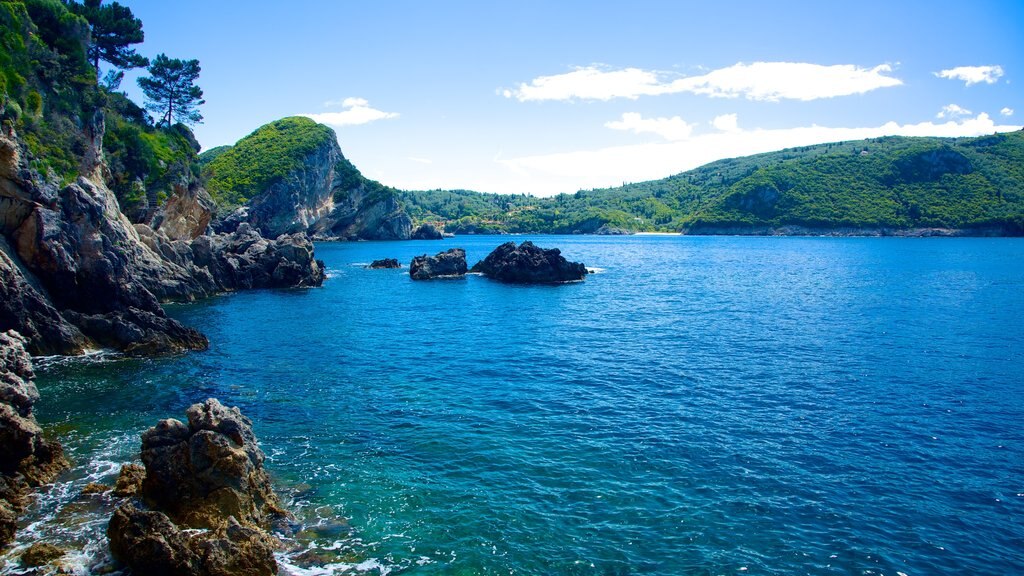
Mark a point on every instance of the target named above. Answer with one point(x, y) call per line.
point(697, 405)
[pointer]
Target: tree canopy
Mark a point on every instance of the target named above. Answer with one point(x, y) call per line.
point(113, 30)
point(171, 92)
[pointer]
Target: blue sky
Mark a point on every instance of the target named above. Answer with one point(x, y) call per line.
point(548, 97)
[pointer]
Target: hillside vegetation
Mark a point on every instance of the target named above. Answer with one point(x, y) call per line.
point(883, 183)
point(238, 173)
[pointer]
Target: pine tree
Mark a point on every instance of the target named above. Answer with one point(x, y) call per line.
point(171, 91)
point(113, 29)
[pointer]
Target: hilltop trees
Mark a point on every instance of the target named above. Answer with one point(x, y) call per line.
point(171, 91)
point(113, 30)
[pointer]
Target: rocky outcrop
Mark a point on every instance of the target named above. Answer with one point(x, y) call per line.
point(448, 264)
point(427, 231)
point(76, 274)
point(207, 501)
point(384, 263)
point(306, 185)
point(27, 459)
point(187, 213)
point(606, 230)
point(529, 264)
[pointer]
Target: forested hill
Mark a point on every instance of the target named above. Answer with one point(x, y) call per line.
point(890, 183)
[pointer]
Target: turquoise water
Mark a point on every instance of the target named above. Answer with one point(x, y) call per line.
point(700, 406)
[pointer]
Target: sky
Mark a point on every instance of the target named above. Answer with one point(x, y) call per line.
point(545, 97)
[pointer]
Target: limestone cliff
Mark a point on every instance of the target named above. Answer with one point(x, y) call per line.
point(290, 176)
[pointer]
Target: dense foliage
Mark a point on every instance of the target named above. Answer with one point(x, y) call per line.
point(891, 182)
point(50, 96)
point(252, 165)
point(113, 30)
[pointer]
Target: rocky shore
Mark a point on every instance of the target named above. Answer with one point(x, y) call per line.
point(27, 459)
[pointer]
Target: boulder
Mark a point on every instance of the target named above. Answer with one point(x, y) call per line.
point(27, 459)
point(208, 499)
point(529, 264)
point(41, 553)
point(448, 264)
point(427, 231)
point(384, 263)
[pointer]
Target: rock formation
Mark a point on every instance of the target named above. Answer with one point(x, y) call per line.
point(427, 231)
point(384, 263)
point(529, 264)
point(26, 458)
point(77, 274)
point(206, 504)
point(448, 264)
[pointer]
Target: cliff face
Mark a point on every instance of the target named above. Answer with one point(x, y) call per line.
point(290, 176)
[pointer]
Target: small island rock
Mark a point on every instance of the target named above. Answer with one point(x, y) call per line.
point(447, 264)
point(384, 263)
point(529, 264)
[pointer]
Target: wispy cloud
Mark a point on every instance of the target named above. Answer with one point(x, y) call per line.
point(420, 160)
point(355, 111)
point(674, 128)
point(766, 81)
point(952, 111)
point(1006, 111)
point(569, 171)
point(973, 74)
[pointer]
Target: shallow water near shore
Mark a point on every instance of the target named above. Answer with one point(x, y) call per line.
point(707, 405)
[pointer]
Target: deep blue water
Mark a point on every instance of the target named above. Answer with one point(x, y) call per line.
point(701, 406)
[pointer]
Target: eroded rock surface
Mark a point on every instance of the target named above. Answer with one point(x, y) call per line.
point(529, 264)
point(207, 501)
point(27, 459)
point(448, 264)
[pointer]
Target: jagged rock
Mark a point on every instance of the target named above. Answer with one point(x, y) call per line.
point(41, 553)
point(23, 307)
point(384, 263)
point(447, 264)
point(529, 264)
point(129, 480)
point(75, 273)
point(427, 231)
point(186, 214)
point(150, 543)
point(95, 488)
point(26, 458)
point(206, 475)
point(246, 260)
point(212, 468)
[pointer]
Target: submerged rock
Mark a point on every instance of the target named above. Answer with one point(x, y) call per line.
point(427, 231)
point(209, 499)
point(27, 459)
point(447, 264)
point(384, 263)
point(529, 264)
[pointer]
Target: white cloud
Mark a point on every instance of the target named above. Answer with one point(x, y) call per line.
point(590, 83)
point(768, 81)
point(355, 111)
point(973, 74)
point(953, 111)
point(570, 171)
point(726, 123)
point(674, 128)
point(1006, 111)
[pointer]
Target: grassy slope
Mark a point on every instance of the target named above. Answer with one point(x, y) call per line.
point(892, 182)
